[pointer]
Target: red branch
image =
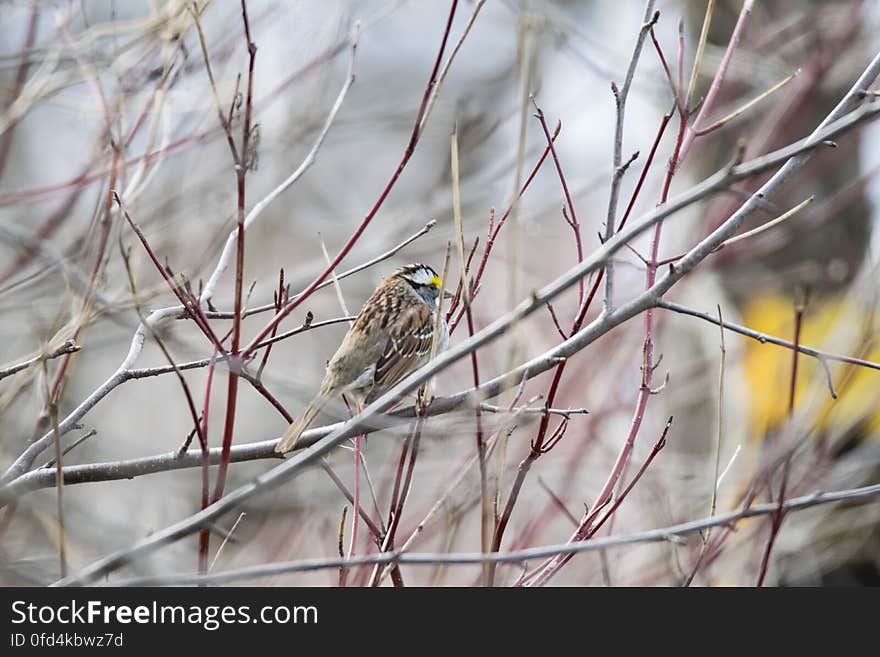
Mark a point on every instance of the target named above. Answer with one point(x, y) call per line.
point(241, 159)
point(573, 221)
point(543, 573)
point(538, 446)
point(413, 141)
point(495, 228)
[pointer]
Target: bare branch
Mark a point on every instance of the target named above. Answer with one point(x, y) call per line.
point(718, 181)
point(68, 347)
point(766, 338)
point(770, 224)
point(744, 108)
point(663, 534)
point(650, 297)
point(698, 58)
point(21, 464)
point(350, 272)
point(715, 87)
point(371, 213)
point(310, 159)
point(448, 63)
point(620, 96)
point(138, 467)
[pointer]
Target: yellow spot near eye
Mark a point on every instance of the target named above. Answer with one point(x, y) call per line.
point(436, 281)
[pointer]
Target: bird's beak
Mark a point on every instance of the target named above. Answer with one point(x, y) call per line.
point(447, 294)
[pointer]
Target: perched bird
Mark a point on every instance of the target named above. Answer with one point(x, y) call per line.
point(391, 338)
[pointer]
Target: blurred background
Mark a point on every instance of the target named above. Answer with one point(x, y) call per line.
point(92, 87)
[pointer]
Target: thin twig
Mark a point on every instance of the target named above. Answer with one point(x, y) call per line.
point(766, 338)
point(744, 108)
point(485, 509)
point(715, 86)
point(68, 347)
point(558, 502)
point(308, 161)
point(226, 540)
point(536, 410)
point(280, 297)
point(663, 534)
point(215, 314)
point(76, 443)
point(435, 93)
point(572, 220)
point(729, 465)
point(556, 322)
point(289, 468)
point(14, 90)
point(770, 224)
point(335, 280)
point(349, 244)
point(841, 120)
point(620, 95)
point(200, 423)
point(242, 162)
point(496, 226)
point(658, 446)
point(698, 58)
point(776, 522)
point(715, 476)
point(52, 414)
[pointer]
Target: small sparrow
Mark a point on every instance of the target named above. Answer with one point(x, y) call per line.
point(391, 338)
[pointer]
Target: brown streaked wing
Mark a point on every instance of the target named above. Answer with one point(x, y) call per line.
point(408, 343)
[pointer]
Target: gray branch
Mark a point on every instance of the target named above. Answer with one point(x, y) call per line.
point(673, 532)
point(228, 314)
point(717, 182)
point(26, 458)
point(123, 374)
point(68, 347)
point(766, 338)
point(794, 157)
point(255, 451)
point(620, 96)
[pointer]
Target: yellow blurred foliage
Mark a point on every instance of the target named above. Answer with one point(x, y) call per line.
point(832, 325)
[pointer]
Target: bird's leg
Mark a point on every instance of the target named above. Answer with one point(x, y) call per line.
point(358, 407)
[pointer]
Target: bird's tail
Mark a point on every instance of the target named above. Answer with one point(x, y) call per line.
point(291, 436)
